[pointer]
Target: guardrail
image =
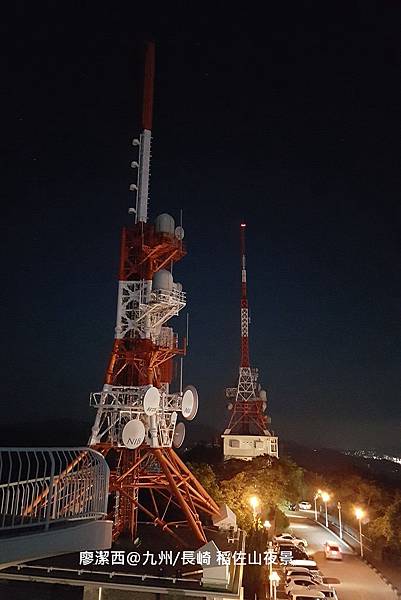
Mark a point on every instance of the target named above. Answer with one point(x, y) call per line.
point(348, 530)
point(43, 486)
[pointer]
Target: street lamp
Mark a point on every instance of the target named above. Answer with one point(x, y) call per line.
point(325, 497)
point(339, 519)
point(267, 525)
point(254, 502)
point(318, 493)
point(359, 513)
point(274, 578)
point(270, 554)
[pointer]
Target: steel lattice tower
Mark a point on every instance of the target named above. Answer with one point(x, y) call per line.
point(248, 402)
point(136, 422)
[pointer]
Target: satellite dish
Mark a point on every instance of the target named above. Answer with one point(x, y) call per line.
point(179, 233)
point(133, 434)
point(173, 417)
point(151, 400)
point(230, 406)
point(179, 435)
point(190, 402)
point(264, 406)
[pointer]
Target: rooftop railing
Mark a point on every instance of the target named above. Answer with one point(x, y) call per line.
point(44, 486)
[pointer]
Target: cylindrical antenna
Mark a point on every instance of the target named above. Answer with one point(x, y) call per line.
point(182, 359)
point(181, 373)
point(142, 186)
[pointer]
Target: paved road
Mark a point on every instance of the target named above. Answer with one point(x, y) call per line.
point(356, 581)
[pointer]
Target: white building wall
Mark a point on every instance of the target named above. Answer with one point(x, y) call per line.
point(247, 447)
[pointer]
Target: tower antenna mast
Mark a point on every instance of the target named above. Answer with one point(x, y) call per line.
point(142, 186)
point(136, 424)
point(244, 305)
point(247, 434)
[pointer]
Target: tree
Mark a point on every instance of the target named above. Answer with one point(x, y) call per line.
point(387, 527)
point(207, 477)
point(273, 481)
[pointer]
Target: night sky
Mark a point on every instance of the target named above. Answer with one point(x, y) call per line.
point(289, 119)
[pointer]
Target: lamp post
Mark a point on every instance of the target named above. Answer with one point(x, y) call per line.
point(325, 498)
point(255, 503)
point(359, 513)
point(267, 526)
point(339, 519)
point(318, 493)
point(315, 499)
point(270, 555)
point(274, 578)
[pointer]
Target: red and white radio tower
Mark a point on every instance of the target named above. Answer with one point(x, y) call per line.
point(136, 423)
point(247, 434)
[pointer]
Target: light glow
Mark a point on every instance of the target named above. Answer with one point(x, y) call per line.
point(274, 577)
point(254, 502)
point(359, 513)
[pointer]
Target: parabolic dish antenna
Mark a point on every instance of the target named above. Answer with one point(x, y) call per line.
point(179, 233)
point(151, 400)
point(190, 402)
point(133, 434)
point(179, 435)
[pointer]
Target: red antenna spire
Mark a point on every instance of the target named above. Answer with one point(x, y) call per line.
point(148, 84)
point(244, 304)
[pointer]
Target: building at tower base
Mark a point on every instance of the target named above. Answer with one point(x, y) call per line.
point(247, 447)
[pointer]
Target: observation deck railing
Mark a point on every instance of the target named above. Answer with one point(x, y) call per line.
point(40, 487)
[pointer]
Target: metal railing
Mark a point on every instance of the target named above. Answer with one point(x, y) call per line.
point(42, 486)
point(347, 529)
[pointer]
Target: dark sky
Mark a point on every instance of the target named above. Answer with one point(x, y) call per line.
point(288, 118)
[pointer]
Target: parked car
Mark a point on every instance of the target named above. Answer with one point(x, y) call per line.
point(331, 593)
point(304, 505)
point(303, 580)
point(291, 571)
point(332, 551)
point(287, 552)
point(308, 584)
point(305, 594)
point(308, 564)
point(288, 537)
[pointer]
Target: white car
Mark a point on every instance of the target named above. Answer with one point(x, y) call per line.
point(308, 584)
point(288, 537)
point(291, 571)
point(303, 580)
point(332, 550)
point(302, 593)
point(292, 577)
point(304, 505)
